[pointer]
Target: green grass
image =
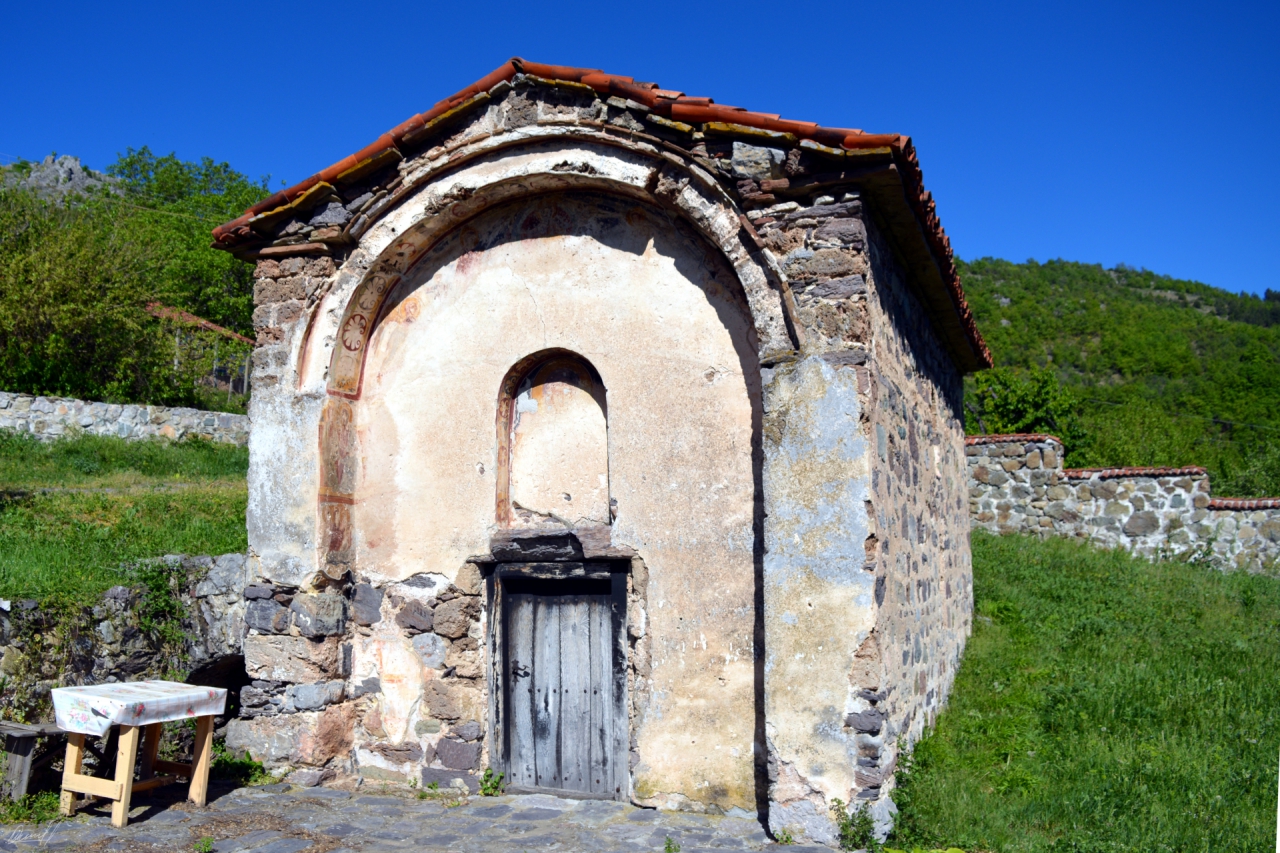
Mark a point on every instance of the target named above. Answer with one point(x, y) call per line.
point(1104, 704)
point(90, 461)
point(72, 511)
point(33, 808)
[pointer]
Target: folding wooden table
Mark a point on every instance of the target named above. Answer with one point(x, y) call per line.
point(134, 706)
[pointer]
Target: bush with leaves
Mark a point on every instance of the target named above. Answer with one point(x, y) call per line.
point(77, 275)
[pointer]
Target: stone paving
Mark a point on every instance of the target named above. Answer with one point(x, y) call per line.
point(288, 819)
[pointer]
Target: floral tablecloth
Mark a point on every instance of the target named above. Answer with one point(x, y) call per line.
point(95, 709)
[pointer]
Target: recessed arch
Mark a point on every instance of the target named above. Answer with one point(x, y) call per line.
point(552, 436)
point(431, 218)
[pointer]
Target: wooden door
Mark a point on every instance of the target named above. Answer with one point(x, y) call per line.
point(565, 690)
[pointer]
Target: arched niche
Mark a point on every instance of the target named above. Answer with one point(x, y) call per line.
point(553, 444)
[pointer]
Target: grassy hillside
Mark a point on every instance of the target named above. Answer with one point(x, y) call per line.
point(1163, 371)
point(1105, 703)
point(73, 510)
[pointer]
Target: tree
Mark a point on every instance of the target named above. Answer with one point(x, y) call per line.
point(1008, 400)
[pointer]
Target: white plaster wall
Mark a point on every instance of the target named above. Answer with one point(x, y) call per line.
point(819, 597)
point(657, 315)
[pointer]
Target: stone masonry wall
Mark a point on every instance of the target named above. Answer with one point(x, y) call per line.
point(1017, 485)
point(924, 590)
point(310, 710)
point(906, 545)
point(48, 418)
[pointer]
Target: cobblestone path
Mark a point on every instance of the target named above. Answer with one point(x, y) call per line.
point(286, 819)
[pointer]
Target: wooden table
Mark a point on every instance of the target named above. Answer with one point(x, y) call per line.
point(135, 707)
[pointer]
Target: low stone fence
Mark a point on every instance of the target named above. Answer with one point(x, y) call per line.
point(48, 418)
point(1017, 485)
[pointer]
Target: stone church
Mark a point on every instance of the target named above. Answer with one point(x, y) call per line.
point(610, 439)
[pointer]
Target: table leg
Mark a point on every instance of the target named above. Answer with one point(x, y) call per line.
point(71, 767)
point(150, 748)
point(125, 759)
point(201, 758)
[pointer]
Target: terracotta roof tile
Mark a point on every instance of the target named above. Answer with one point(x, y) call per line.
point(679, 107)
point(1111, 473)
point(1244, 503)
point(1010, 438)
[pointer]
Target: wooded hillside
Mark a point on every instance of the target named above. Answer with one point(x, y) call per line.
point(1150, 370)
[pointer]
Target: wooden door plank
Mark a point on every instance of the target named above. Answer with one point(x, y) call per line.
point(546, 689)
point(601, 734)
point(575, 691)
point(519, 683)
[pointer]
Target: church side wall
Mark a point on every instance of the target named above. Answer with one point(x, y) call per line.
point(872, 406)
point(924, 578)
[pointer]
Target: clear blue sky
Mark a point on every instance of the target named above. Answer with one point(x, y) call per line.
point(1143, 133)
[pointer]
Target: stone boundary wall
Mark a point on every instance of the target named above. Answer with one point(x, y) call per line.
point(48, 418)
point(1017, 485)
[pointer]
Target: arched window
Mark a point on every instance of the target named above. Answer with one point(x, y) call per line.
point(553, 444)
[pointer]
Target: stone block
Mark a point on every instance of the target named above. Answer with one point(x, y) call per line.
point(313, 697)
point(849, 232)
point(756, 162)
point(1142, 524)
point(366, 605)
point(450, 779)
point(866, 722)
point(465, 663)
point(458, 755)
point(415, 617)
point(453, 618)
point(319, 615)
point(432, 649)
point(398, 753)
point(469, 581)
point(266, 616)
point(470, 730)
point(452, 699)
point(309, 738)
point(293, 659)
point(824, 263)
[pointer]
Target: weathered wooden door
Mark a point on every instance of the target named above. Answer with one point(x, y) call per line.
point(565, 686)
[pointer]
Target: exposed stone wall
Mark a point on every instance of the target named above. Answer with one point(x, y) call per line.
point(877, 667)
point(48, 418)
point(924, 574)
point(335, 685)
point(1018, 485)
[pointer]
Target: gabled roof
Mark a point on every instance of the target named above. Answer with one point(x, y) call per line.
point(676, 106)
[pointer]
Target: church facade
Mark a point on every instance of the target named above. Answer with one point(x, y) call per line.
point(609, 439)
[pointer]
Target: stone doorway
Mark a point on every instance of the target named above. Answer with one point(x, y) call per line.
point(562, 667)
